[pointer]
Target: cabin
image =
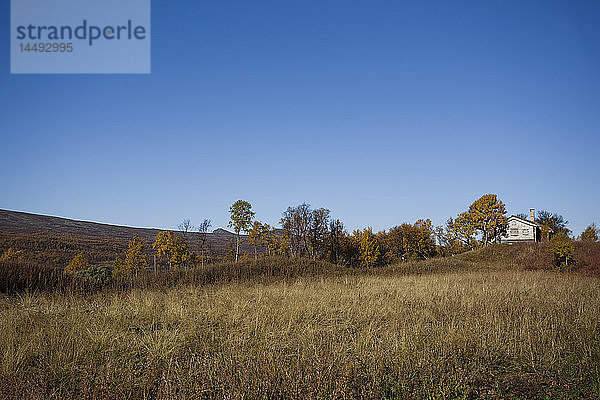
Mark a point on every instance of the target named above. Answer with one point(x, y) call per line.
point(522, 230)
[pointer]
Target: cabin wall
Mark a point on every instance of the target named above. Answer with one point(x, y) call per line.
point(518, 231)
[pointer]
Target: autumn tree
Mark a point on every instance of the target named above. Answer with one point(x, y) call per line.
point(305, 230)
point(272, 239)
point(301, 217)
point(203, 234)
point(286, 247)
point(257, 236)
point(395, 243)
point(135, 259)
point(173, 247)
point(78, 263)
point(488, 216)
point(241, 216)
point(562, 249)
point(590, 234)
point(254, 237)
point(369, 248)
point(464, 230)
point(458, 235)
point(406, 241)
point(349, 254)
point(311, 232)
point(282, 244)
point(444, 247)
point(424, 239)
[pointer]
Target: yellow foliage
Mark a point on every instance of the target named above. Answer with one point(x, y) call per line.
point(135, 259)
point(78, 263)
point(12, 255)
point(562, 249)
point(241, 220)
point(487, 215)
point(173, 247)
point(369, 248)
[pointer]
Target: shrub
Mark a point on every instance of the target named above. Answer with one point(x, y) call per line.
point(78, 263)
point(562, 249)
point(590, 234)
point(12, 255)
point(118, 270)
point(99, 275)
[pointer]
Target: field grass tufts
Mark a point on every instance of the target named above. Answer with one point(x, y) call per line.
point(481, 334)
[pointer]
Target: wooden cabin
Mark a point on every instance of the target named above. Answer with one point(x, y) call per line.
point(522, 230)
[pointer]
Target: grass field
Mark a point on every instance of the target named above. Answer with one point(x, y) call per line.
point(486, 334)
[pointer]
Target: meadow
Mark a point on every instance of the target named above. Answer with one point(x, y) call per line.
point(481, 333)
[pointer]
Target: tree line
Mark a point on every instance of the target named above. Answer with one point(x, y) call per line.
point(313, 233)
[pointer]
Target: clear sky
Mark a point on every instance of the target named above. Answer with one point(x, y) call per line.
point(382, 111)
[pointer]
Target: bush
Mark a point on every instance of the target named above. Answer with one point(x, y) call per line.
point(78, 263)
point(562, 249)
point(590, 234)
point(12, 255)
point(100, 275)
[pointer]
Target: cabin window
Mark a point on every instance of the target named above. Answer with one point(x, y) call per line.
point(514, 231)
point(525, 231)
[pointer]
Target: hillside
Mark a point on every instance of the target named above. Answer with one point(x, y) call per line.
point(504, 257)
point(56, 240)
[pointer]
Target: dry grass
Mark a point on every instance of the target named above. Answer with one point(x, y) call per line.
point(19, 277)
point(533, 334)
point(28, 276)
point(503, 257)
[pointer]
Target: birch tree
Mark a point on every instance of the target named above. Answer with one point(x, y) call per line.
point(241, 216)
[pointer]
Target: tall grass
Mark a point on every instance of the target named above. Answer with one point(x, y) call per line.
point(511, 334)
point(20, 277)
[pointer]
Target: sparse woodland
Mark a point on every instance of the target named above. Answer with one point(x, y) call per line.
point(303, 232)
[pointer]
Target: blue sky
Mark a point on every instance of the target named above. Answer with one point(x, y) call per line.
point(382, 111)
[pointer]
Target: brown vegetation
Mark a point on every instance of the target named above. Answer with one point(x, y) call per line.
point(22, 275)
point(503, 257)
point(509, 334)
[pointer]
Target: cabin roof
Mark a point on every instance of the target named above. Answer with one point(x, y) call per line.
point(525, 221)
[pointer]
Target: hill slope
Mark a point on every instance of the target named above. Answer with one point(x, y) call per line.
point(56, 240)
point(503, 257)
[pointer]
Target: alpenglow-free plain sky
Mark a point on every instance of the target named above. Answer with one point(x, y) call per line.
point(382, 111)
